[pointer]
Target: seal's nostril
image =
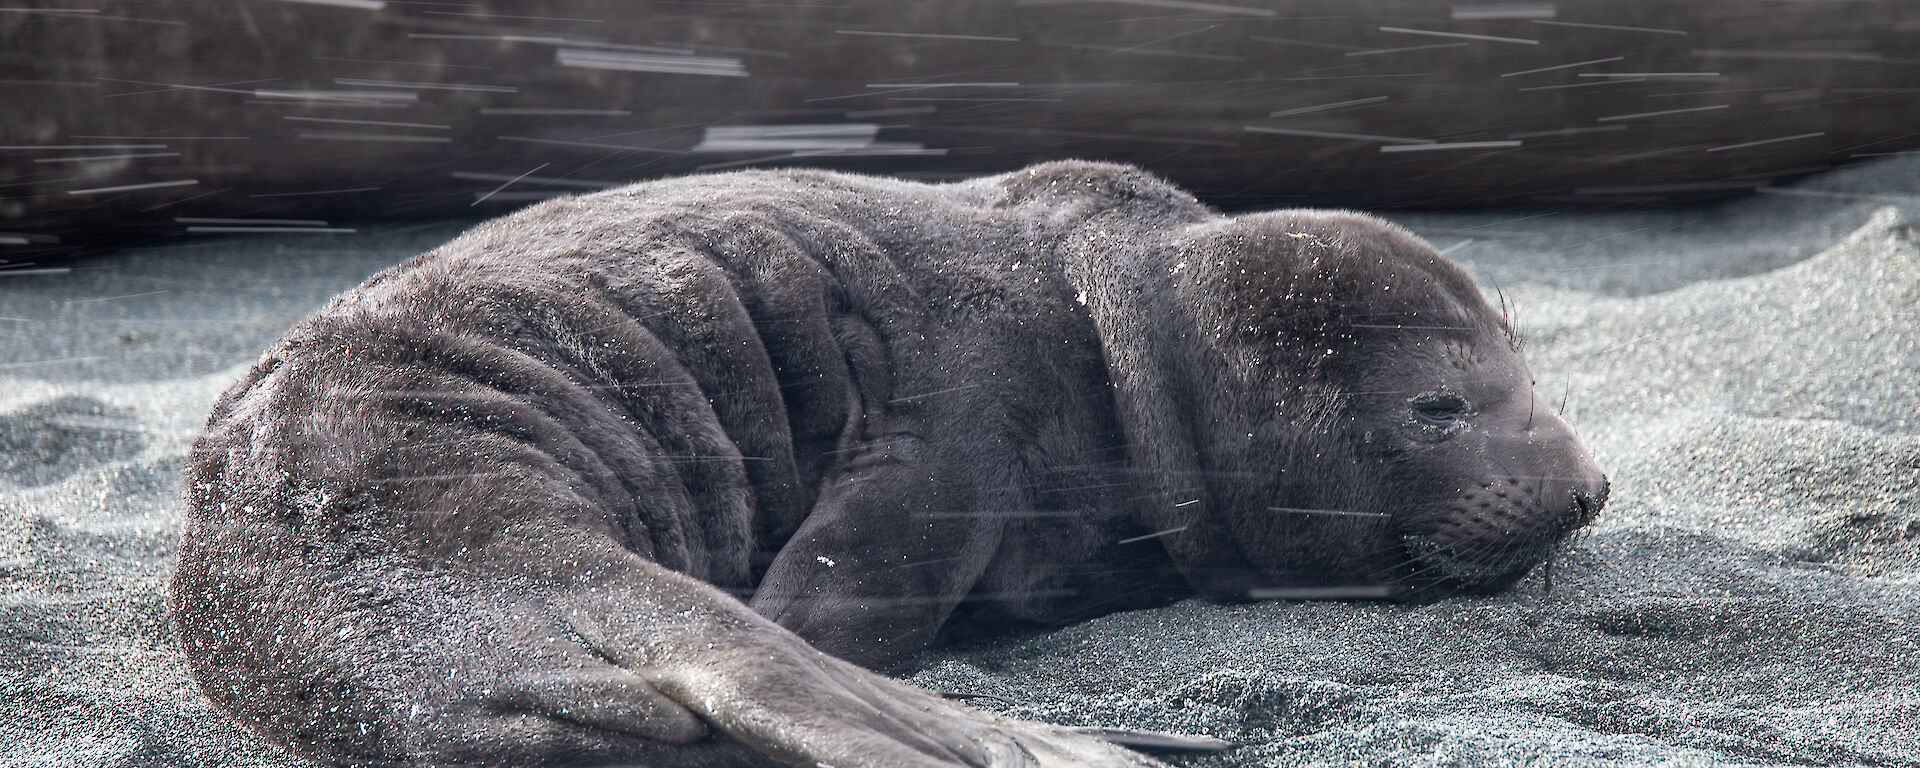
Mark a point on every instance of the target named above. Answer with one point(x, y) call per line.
point(1587, 506)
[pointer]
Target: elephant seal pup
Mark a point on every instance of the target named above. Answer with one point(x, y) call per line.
point(632, 477)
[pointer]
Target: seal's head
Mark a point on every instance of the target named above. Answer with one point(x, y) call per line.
point(1357, 418)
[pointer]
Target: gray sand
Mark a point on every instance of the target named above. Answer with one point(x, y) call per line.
point(1747, 374)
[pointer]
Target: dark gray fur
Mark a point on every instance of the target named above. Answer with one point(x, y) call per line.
point(598, 482)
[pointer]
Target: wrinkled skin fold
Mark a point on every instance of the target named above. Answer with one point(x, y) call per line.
point(658, 475)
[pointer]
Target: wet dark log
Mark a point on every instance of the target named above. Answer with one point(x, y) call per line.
point(130, 118)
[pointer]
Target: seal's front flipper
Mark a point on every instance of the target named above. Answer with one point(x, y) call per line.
point(1147, 741)
point(804, 707)
point(759, 687)
point(1155, 741)
point(892, 545)
point(973, 695)
point(607, 698)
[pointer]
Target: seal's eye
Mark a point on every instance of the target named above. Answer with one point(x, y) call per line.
point(1439, 414)
point(1440, 411)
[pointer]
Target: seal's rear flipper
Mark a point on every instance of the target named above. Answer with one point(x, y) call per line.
point(1155, 741)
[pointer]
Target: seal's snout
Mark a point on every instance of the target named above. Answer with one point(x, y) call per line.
point(1586, 506)
point(1491, 537)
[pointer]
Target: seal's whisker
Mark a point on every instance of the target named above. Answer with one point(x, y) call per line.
point(1426, 568)
point(1509, 318)
point(1417, 559)
point(1467, 549)
point(1500, 555)
point(1496, 553)
point(1436, 571)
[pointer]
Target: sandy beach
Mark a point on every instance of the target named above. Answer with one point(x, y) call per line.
point(1747, 375)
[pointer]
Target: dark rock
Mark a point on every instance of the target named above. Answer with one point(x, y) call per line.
point(148, 119)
